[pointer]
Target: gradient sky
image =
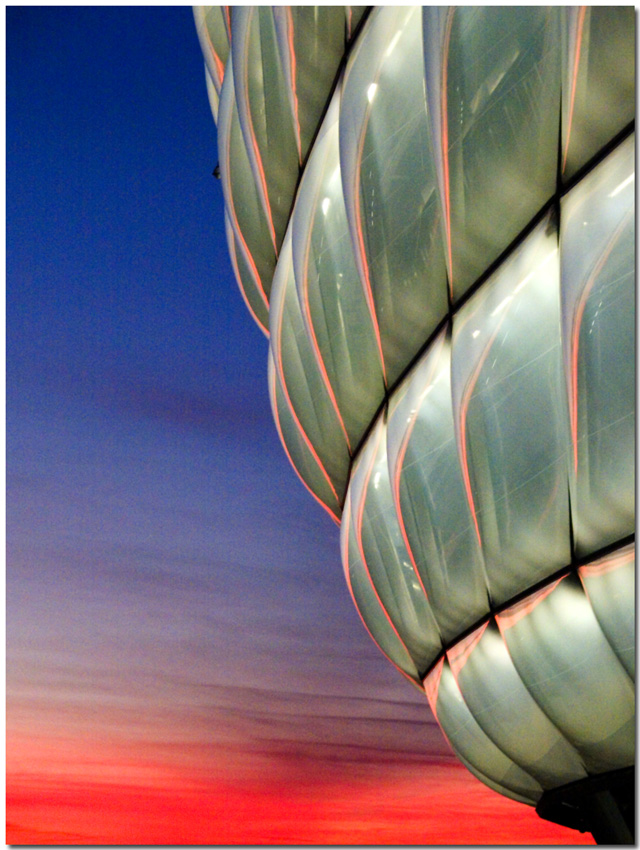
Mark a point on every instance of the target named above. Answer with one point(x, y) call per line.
point(184, 662)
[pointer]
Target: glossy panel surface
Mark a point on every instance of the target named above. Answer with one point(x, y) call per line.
point(389, 183)
point(246, 281)
point(300, 378)
point(510, 417)
point(364, 594)
point(610, 586)
point(567, 665)
point(429, 494)
point(301, 455)
point(212, 94)
point(506, 711)
point(265, 113)
point(387, 560)
point(311, 42)
point(246, 215)
point(214, 41)
point(598, 318)
point(332, 300)
point(598, 95)
point(471, 743)
point(493, 88)
point(353, 16)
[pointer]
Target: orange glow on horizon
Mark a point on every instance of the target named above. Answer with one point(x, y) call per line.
point(348, 804)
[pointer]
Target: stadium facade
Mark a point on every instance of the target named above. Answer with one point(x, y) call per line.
point(430, 215)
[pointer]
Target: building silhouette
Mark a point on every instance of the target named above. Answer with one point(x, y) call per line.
point(430, 214)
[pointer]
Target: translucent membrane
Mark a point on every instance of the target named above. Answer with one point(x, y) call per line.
point(598, 91)
point(248, 288)
point(381, 550)
point(332, 300)
point(310, 43)
point(493, 88)
point(597, 241)
point(471, 744)
point(429, 495)
point(610, 586)
point(353, 16)
point(306, 394)
point(506, 711)
point(301, 455)
point(214, 42)
point(363, 592)
point(510, 417)
point(390, 185)
point(571, 671)
point(242, 203)
point(265, 114)
point(212, 94)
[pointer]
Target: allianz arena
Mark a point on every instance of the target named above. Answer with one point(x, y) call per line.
point(430, 215)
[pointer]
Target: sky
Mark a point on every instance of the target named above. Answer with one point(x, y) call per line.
point(184, 663)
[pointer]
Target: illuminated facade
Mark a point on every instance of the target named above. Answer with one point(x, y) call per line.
point(430, 214)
